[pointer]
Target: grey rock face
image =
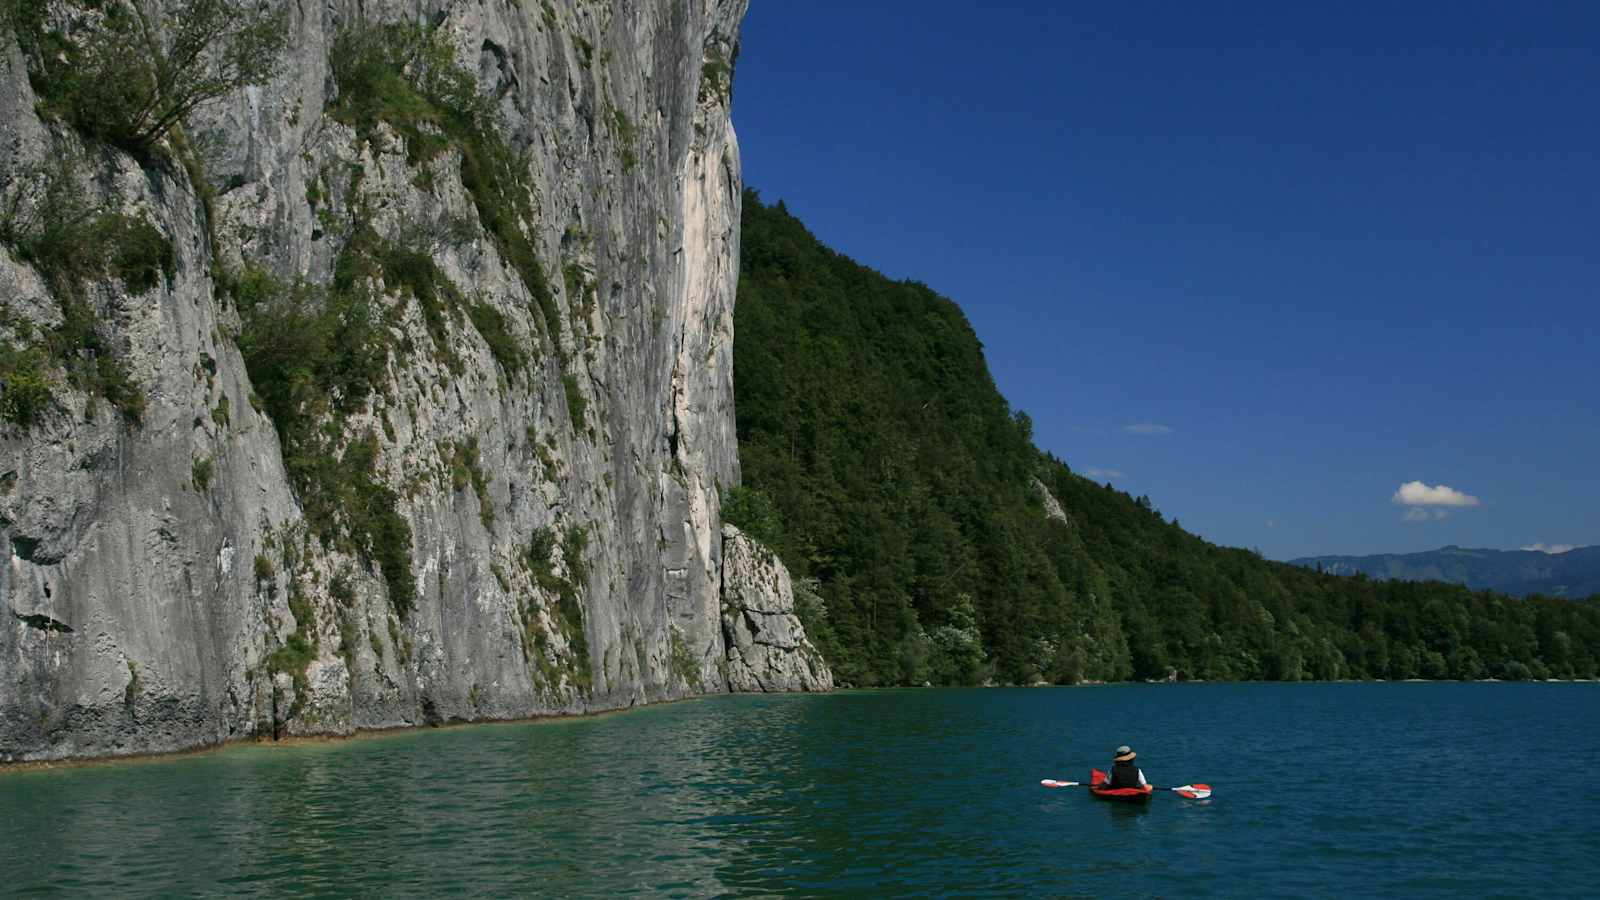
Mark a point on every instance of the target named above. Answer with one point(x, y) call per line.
point(1052, 506)
point(144, 609)
point(767, 646)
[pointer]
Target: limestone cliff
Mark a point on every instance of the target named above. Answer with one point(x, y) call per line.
point(767, 645)
point(420, 410)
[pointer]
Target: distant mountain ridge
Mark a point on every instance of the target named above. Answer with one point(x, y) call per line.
point(1575, 573)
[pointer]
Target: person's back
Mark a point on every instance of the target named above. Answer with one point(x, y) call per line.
point(1124, 774)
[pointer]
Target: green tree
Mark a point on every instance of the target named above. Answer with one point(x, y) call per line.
point(128, 72)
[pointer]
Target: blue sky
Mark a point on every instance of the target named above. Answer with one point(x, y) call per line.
point(1320, 254)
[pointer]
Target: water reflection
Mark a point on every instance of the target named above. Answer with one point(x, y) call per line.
point(875, 793)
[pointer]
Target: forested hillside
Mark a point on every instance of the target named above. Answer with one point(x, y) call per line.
point(907, 497)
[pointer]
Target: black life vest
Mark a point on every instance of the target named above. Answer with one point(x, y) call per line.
point(1124, 775)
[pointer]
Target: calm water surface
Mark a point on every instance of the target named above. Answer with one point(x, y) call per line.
point(1321, 790)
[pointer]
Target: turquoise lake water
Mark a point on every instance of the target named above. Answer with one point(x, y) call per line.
point(1321, 790)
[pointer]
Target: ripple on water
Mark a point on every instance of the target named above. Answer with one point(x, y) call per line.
point(1357, 790)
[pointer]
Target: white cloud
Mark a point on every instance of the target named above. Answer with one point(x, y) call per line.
point(1146, 428)
point(1418, 514)
point(1415, 493)
point(1105, 473)
point(1551, 549)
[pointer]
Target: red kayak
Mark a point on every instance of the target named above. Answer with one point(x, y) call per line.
point(1097, 780)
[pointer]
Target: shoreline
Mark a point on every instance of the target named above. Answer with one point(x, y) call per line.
point(363, 734)
point(301, 740)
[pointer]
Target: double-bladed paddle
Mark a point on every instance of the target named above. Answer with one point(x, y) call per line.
point(1192, 791)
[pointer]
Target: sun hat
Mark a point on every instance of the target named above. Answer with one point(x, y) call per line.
point(1124, 754)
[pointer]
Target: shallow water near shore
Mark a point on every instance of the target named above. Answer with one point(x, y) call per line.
point(1321, 789)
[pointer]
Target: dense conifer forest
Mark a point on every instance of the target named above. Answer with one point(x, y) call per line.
point(908, 500)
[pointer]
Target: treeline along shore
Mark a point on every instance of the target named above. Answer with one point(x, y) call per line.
point(932, 542)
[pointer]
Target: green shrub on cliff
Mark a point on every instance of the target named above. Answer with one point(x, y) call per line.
point(576, 404)
point(128, 72)
point(299, 648)
point(504, 346)
point(47, 223)
point(409, 78)
point(314, 357)
point(200, 473)
point(566, 589)
point(26, 387)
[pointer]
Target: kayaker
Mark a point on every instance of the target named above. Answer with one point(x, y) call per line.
point(1124, 774)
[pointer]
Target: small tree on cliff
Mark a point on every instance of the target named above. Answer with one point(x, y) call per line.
point(127, 72)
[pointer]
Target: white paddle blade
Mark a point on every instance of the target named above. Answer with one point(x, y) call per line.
point(1194, 792)
point(1052, 783)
